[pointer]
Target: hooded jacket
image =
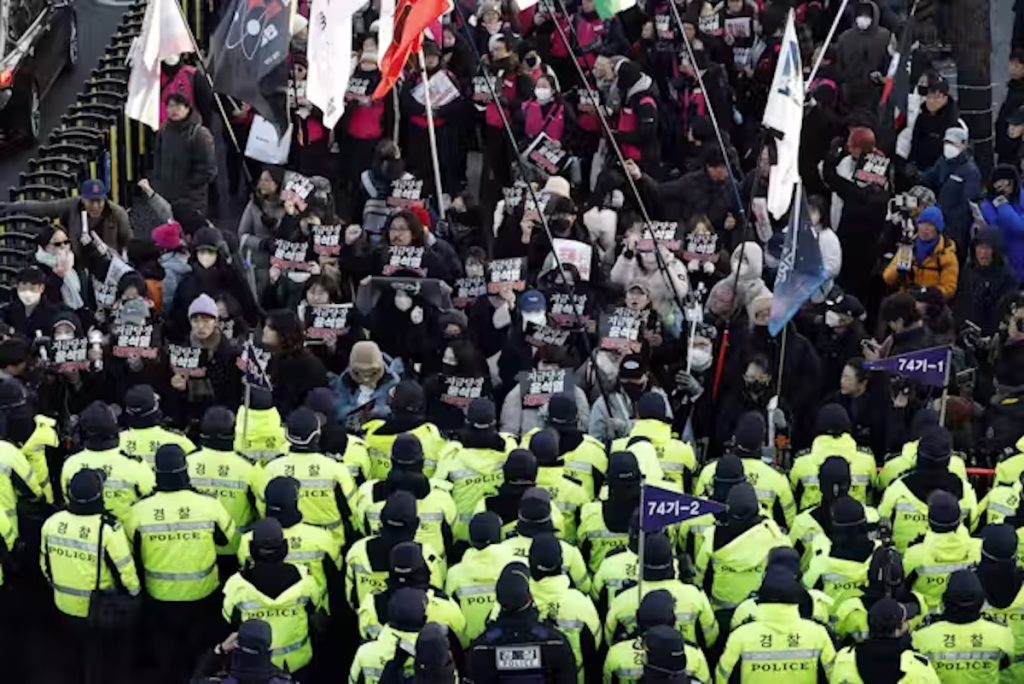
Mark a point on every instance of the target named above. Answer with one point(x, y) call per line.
point(983, 288)
point(858, 53)
point(184, 162)
point(940, 269)
point(957, 183)
point(1008, 218)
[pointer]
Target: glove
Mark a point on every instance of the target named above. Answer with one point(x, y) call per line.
point(267, 244)
point(688, 385)
point(709, 267)
point(692, 266)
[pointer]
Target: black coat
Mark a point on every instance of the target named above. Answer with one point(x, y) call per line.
point(221, 279)
point(929, 134)
point(292, 376)
point(1008, 149)
point(41, 319)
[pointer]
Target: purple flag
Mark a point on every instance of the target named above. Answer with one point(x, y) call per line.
point(926, 366)
point(663, 507)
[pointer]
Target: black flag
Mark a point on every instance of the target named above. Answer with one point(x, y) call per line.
point(248, 60)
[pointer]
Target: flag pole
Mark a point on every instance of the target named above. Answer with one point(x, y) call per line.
point(640, 546)
point(432, 134)
point(828, 41)
point(945, 388)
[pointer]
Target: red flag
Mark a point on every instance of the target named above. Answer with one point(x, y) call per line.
point(412, 18)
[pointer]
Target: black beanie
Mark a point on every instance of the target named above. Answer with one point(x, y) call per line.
point(268, 542)
point(545, 556)
point(217, 428)
point(407, 609)
point(934, 445)
point(408, 398)
point(171, 468)
point(964, 591)
point(847, 512)
point(834, 476)
point(780, 585)
point(520, 468)
point(658, 561)
point(85, 492)
point(141, 407)
point(885, 617)
point(282, 498)
point(999, 542)
point(303, 431)
point(750, 434)
point(562, 410)
point(406, 565)
point(833, 420)
point(512, 590)
point(260, 399)
point(784, 557)
point(628, 74)
point(742, 502)
point(657, 608)
point(665, 654)
point(623, 469)
point(480, 415)
point(544, 444)
point(98, 427)
point(399, 512)
point(407, 452)
point(729, 470)
point(434, 662)
point(484, 529)
point(535, 510)
point(651, 405)
point(943, 512)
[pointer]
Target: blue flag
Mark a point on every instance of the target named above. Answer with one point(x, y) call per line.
point(801, 270)
point(254, 364)
point(925, 366)
point(664, 507)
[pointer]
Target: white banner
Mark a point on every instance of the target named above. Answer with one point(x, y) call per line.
point(164, 34)
point(784, 115)
point(329, 55)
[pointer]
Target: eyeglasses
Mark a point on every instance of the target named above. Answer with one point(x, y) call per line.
point(60, 243)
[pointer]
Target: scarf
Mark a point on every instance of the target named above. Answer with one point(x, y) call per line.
point(924, 248)
point(71, 289)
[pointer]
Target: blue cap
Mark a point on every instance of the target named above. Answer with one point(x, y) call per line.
point(93, 189)
point(532, 300)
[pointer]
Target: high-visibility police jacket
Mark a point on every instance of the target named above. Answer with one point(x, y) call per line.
point(8, 537)
point(624, 663)
point(966, 653)
point(34, 448)
point(572, 559)
point(595, 540)
point(356, 458)
point(176, 535)
point(909, 515)
point(929, 564)
point(362, 579)
point(287, 614)
point(693, 611)
point(646, 457)
point(1012, 616)
point(566, 494)
point(67, 556)
point(227, 477)
point(1008, 471)
point(373, 656)
point(309, 547)
point(379, 447)
point(440, 609)
point(675, 456)
point(618, 572)
point(804, 475)
point(771, 486)
point(586, 464)
point(821, 610)
point(809, 537)
point(327, 494)
point(778, 643)
point(262, 439)
point(1000, 502)
point(126, 480)
point(473, 473)
point(572, 612)
point(838, 578)
point(901, 464)
point(731, 573)
point(850, 619)
point(915, 667)
point(436, 512)
point(142, 443)
point(471, 583)
point(17, 479)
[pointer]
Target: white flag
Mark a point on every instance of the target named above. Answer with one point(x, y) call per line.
point(784, 116)
point(164, 34)
point(329, 56)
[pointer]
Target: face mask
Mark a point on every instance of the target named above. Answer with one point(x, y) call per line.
point(63, 337)
point(560, 226)
point(543, 95)
point(403, 302)
point(172, 60)
point(206, 259)
point(535, 317)
point(832, 319)
point(448, 358)
point(863, 22)
point(950, 151)
point(29, 297)
point(475, 271)
point(700, 359)
point(633, 390)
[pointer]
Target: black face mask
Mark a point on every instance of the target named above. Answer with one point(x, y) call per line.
point(392, 169)
point(634, 390)
point(560, 226)
point(757, 392)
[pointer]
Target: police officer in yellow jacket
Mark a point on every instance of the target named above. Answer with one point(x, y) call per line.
point(834, 439)
point(259, 430)
point(840, 568)
point(218, 471)
point(945, 548)
point(584, 456)
point(728, 472)
point(406, 616)
point(812, 526)
point(566, 493)
point(777, 642)
point(327, 493)
point(71, 540)
point(145, 434)
point(963, 646)
point(620, 569)
point(604, 525)
point(625, 661)
point(1003, 583)
point(284, 595)
point(127, 480)
point(885, 580)
point(675, 456)
point(471, 582)
point(905, 501)
point(886, 656)
point(519, 475)
point(334, 441)
point(407, 404)
point(175, 533)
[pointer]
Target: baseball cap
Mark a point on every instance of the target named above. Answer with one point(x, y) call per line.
point(532, 300)
point(93, 189)
point(955, 134)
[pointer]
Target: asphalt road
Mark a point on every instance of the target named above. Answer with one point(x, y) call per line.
point(96, 23)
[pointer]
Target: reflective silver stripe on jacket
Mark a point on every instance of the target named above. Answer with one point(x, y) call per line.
point(176, 526)
point(942, 569)
point(255, 605)
point(431, 517)
point(118, 484)
point(570, 624)
point(261, 455)
point(474, 590)
point(672, 467)
point(305, 556)
point(788, 654)
point(72, 544)
point(905, 507)
point(217, 482)
point(461, 474)
point(181, 576)
point(1001, 508)
point(317, 483)
point(284, 650)
point(71, 591)
point(966, 655)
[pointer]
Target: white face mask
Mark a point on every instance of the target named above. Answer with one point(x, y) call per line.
point(700, 359)
point(475, 271)
point(29, 297)
point(403, 302)
point(172, 60)
point(863, 22)
point(535, 317)
point(206, 259)
point(832, 319)
point(543, 95)
point(63, 337)
point(950, 151)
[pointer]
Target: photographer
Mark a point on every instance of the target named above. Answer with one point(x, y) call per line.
point(929, 260)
